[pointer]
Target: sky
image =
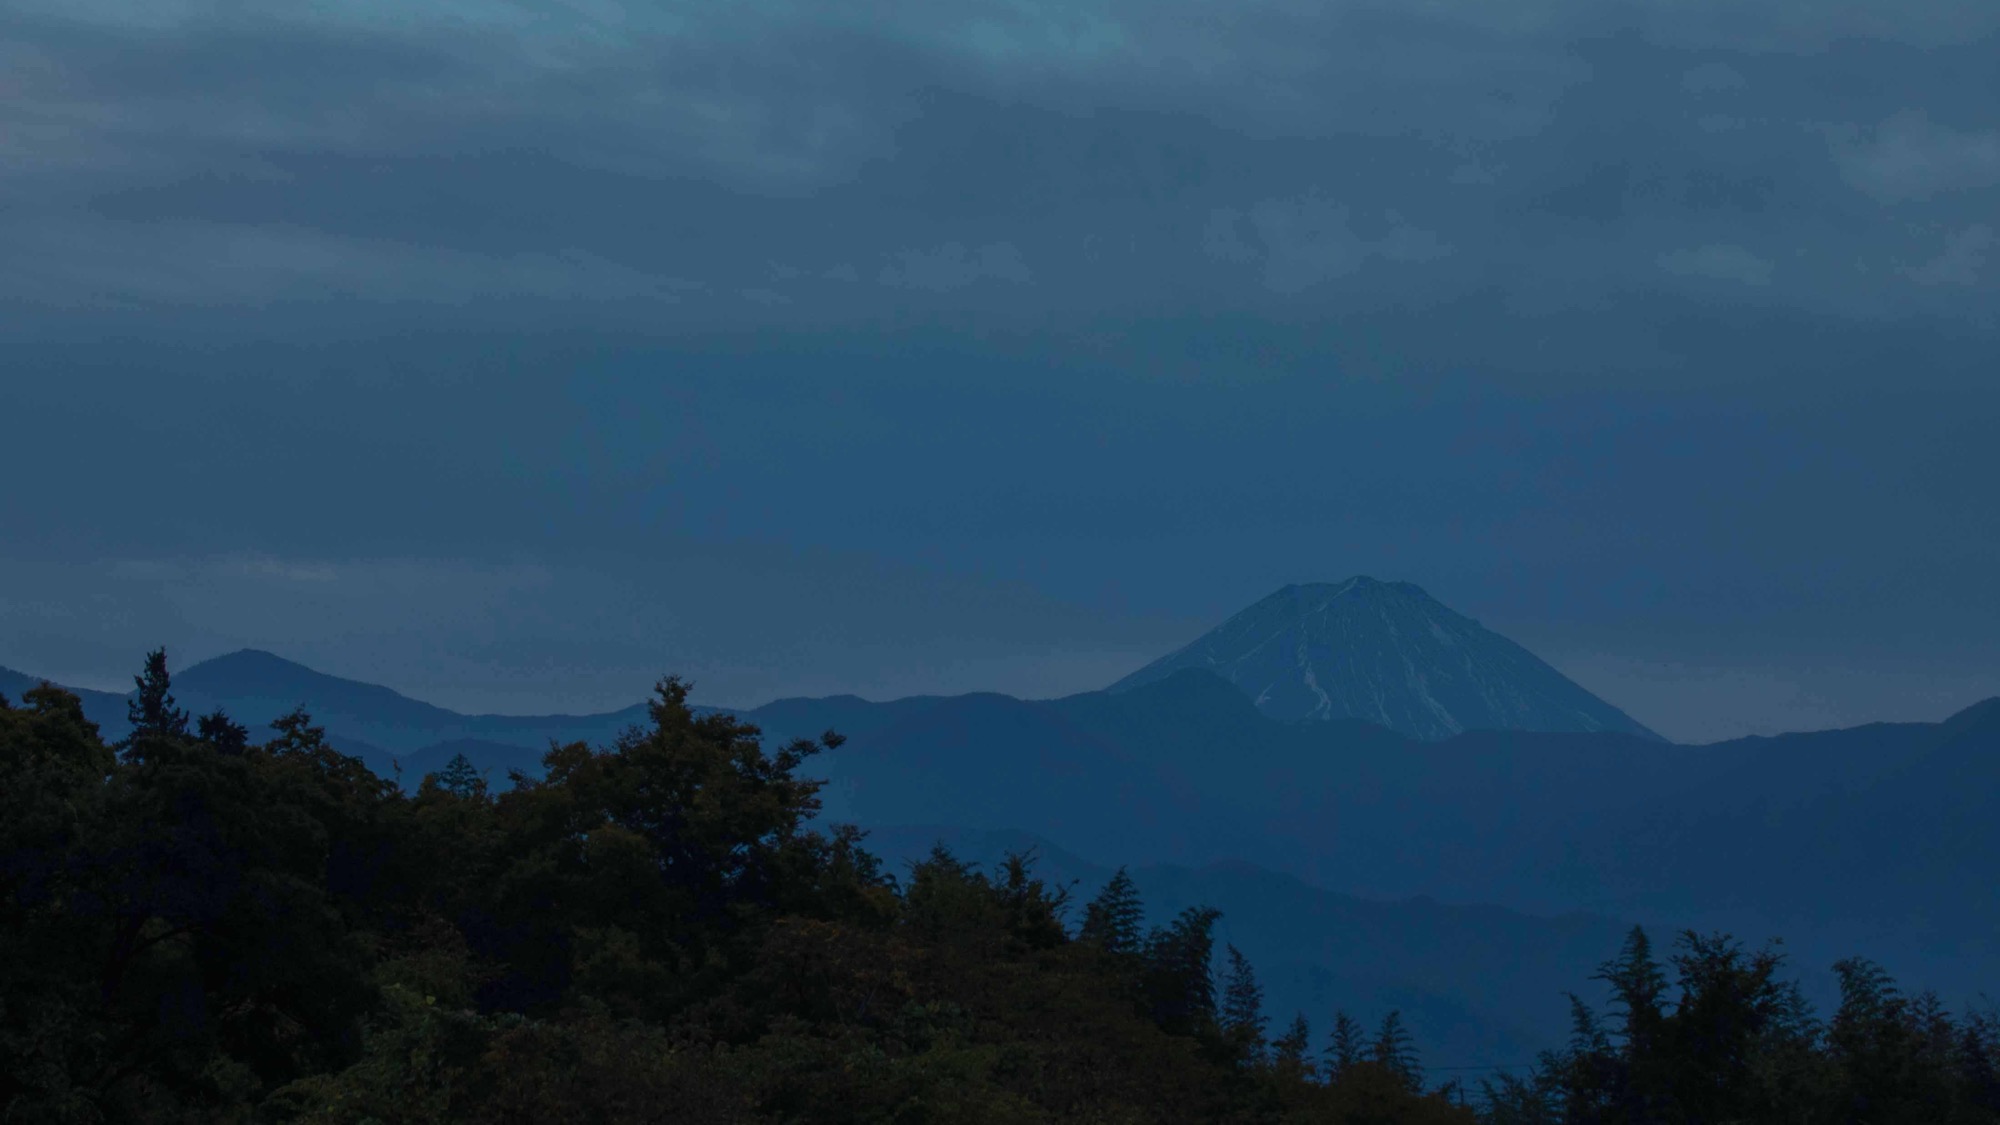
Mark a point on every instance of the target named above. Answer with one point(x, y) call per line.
point(516, 354)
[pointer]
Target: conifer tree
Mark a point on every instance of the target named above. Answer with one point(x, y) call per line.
point(1111, 920)
point(297, 734)
point(1395, 1052)
point(1637, 986)
point(1344, 1049)
point(1288, 1051)
point(460, 779)
point(151, 711)
point(1243, 1006)
point(1179, 984)
point(225, 734)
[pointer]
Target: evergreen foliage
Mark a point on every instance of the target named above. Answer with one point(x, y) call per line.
point(1179, 983)
point(151, 710)
point(1112, 921)
point(1243, 1020)
point(225, 734)
point(208, 930)
point(1396, 1054)
point(459, 778)
point(1344, 1049)
point(1288, 1051)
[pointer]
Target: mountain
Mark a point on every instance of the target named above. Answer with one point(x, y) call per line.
point(1872, 841)
point(1389, 653)
point(993, 762)
point(1478, 985)
point(264, 685)
point(383, 727)
point(105, 708)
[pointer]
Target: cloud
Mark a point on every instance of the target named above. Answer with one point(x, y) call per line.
point(1960, 262)
point(944, 268)
point(209, 153)
point(1309, 239)
point(788, 96)
point(1713, 77)
point(1221, 239)
point(1909, 157)
point(203, 263)
point(1719, 262)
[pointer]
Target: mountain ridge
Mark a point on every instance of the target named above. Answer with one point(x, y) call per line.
point(1388, 653)
point(1186, 770)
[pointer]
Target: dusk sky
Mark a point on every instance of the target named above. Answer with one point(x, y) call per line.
point(516, 354)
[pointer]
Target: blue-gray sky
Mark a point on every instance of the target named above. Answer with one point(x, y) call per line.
point(516, 353)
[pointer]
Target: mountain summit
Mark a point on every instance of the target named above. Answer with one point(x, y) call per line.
point(1389, 653)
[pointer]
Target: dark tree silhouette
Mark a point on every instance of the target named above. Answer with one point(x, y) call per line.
point(151, 710)
point(460, 779)
point(1112, 920)
point(1395, 1052)
point(1345, 1048)
point(1288, 1051)
point(1243, 1020)
point(225, 734)
point(1178, 981)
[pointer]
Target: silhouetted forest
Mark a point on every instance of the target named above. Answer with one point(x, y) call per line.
point(198, 928)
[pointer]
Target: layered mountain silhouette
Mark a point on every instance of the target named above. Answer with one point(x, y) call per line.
point(1388, 653)
point(1873, 841)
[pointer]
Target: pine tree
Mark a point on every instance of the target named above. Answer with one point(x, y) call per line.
point(1394, 1052)
point(151, 711)
point(1978, 1070)
point(1876, 1036)
point(1344, 1050)
point(297, 734)
point(1288, 1051)
point(1637, 985)
point(1111, 920)
point(1243, 1006)
point(1178, 981)
point(460, 779)
point(1734, 1015)
point(225, 734)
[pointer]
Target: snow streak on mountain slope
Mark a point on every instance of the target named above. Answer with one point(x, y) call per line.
point(1389, 653)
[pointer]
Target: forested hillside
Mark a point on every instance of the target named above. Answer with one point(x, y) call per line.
point(199, 928)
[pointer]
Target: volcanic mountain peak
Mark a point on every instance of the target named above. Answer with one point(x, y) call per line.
point(1389, 653)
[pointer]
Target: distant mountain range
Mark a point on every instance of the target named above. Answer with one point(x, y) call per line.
point(1391, 654)
point(388, 730)
point(1874, 841)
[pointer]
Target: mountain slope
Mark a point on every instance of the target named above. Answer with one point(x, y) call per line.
point(1478, 984)
point(994, 762)
point(106, 709)
point(1389, 653)
point(255, 687)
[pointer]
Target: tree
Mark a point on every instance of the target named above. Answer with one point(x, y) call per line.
point(151, 711)
point(1178, 984)
point(223, 733)
point(1739, 1035)
point(1637, 985)
point(1513, 1100)
point(1895, 1056)
point(1111, 921)
point(1344, 1049)
point(460, 779)
point(636, 867)
point(1395, 1052)
point(1288, 1051)
point(1243, 1018)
